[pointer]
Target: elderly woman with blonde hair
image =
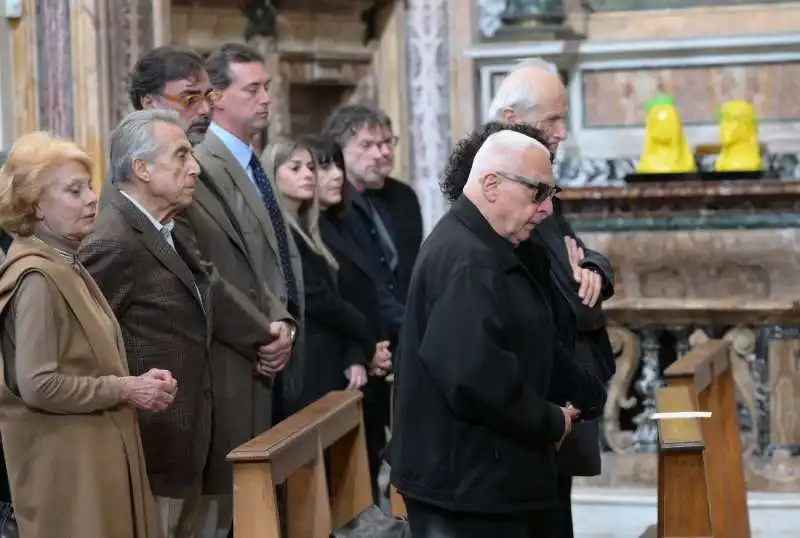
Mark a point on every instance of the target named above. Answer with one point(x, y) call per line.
point(67, 402)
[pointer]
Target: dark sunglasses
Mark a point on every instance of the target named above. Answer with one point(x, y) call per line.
point(541, 191)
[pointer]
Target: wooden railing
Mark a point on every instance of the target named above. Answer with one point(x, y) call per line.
point(292, 452)
point(701, 481)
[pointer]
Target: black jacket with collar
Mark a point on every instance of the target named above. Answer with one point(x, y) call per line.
point(582, 337)
point(472, 430)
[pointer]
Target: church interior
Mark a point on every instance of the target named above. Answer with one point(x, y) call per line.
point(704, 243)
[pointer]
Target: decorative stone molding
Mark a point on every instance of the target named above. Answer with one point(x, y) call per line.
point(429, 100)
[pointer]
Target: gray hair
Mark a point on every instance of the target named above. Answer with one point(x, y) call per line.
point(515, 92)
point(134, 139)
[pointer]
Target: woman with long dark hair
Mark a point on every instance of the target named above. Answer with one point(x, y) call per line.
point(338, 345)
point(356, 286)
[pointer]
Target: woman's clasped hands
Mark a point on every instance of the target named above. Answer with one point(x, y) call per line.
point(152, 391)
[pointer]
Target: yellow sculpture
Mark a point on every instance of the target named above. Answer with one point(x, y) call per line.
point(738, 129)
point(665, 148)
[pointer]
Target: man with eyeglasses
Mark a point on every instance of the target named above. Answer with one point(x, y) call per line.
point(359, 132)
point(533, 93)
point(175, 78)
point(401, 203)
point(474, 436)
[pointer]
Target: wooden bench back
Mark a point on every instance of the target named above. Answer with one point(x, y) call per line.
point(292, 452)
point(683, 504)
point(705, 375)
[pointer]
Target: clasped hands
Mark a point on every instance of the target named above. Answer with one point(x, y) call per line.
point(272, 357)
point(590, 283)
point(379, 365)
point(153, 391)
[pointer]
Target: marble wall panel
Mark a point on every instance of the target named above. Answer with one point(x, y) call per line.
point(53, 59)
point(617, 98)
point(131, 25)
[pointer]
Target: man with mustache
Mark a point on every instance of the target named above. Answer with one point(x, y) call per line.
point(175, 78)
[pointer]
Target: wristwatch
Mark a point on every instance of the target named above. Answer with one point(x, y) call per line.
point(292, 331)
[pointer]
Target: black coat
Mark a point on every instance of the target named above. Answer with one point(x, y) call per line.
point(472, 430)
point(582, 332)
point(354, 280)
point(357, 285)
point(402, 207)
point(358, 223)
point(338, 334)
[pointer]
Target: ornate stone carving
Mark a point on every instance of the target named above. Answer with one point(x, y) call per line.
point(490, 16)
point(662, 282)
point(625, 346)
point(730, 280)
point(546, 10)
point(645, 438)
point(742, 356)
point(429, 101)
point(715, 264)
point(492, 13)
point(745, 281)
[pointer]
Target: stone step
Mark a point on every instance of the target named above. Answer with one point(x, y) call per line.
point(627, 512)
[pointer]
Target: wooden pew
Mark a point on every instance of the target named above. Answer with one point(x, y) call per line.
point(706, 373)
point(683, 490)
point(292, 451)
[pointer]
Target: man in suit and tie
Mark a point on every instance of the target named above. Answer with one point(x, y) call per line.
point(240, 228)
point(169, 303)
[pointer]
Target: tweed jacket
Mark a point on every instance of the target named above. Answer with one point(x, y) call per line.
point(166, 299)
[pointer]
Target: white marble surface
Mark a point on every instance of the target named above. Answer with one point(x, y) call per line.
point(626, 513)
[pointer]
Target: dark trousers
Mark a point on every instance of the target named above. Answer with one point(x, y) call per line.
point(562, 519)
point(377, 401)
point(428, 521)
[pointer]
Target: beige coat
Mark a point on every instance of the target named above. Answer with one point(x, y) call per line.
point(73, 450)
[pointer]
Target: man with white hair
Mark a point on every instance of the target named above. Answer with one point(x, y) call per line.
point(169, 304)
point(474, 438)
point(533, 93)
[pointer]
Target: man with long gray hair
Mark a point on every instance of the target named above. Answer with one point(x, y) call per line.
point(168, 303)
point(534, 93)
